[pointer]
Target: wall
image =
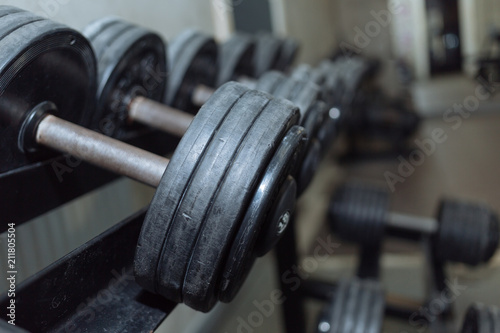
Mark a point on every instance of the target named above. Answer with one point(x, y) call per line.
point(168, 17)
point(409, 36)
point(477, 19)
point(358, 27)
point(312, 23)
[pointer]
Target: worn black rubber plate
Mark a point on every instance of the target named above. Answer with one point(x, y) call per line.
point(236, 58)
point(468, 232)
point(267, 53)
point(301, 93)
point(231, 201)
point(308, 73)
point(176, 179)
point(315, 119)
point(40, 61)
point(242, 253)
point(270, 81)
point(131, 62)
point(192, 61)
point(201, 190)
point(288, 53)
point(358, 212)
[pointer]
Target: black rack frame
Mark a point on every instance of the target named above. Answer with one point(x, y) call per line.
point(92, 287)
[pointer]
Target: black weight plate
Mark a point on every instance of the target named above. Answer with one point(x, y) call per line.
point(315, 75)
point(193, 62)
point(201, 191)
point(40, 61)
point(176, 179)
point(315, 119)
point(309, 166)
point(131, 62)
point(468, 232)
point(308, 73)
point(242, 254)
point(270, 81)
point(267, 53)
point(358, 306)
point(358, 212)
point(229, 205)
point(236, 58)
point(7, 10)
point(278, 218)
point(301, 93)
point(288, 53)
point(110, 28)
point(92, 30)
point(481, 319)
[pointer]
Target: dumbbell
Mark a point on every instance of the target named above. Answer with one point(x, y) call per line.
point(132, 79)
point(273, 53)
point(366, 110)
point(238, 51)
point(126, 56)
point(462, 232)
point(481, 319)
point(356, 306)
point(236, 57)
point(216, 198)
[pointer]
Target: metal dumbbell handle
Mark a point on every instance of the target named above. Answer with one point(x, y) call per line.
point(168, 119)
point(100, 150)
point(114, 155)
point(423, 225)
point(160, 116)
point(202, 93)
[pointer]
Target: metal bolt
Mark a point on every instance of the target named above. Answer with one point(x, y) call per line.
point(283, 222)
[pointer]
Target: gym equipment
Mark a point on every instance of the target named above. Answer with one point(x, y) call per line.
point(314, 116)
point(273, 53)
point(192, 67)
point(224, 178)
point(374, 124)
point(356, 306)
point(462, 232)
point(481, 319)
point(130, 61)
point(132, 76)
point(236, 59)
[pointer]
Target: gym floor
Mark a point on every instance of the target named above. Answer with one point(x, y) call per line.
point(464, 165)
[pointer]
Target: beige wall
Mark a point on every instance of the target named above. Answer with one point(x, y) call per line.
point(168, 17)
point(358, 27)
point(386, 29)
point(409, 36)
point(311, 22)
point(477, 19)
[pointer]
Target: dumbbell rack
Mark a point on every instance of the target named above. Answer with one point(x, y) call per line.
point(66, 292)
point(70, 291)
point(369, 268)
